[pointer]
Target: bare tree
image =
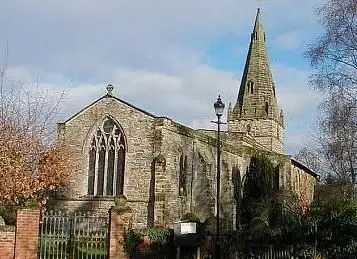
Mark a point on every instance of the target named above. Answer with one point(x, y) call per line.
point(337, 135)
point(31, 162)
point(309, 156)
point(333, 151)
point(334, 54)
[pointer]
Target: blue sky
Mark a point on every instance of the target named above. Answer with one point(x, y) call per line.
point(169, 57)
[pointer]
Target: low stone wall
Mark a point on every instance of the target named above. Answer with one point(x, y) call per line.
point(101, 205)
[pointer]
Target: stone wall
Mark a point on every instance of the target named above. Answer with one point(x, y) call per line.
point(138, 127)
point(302, 183)
point(269, 133)
point(138, 130)
point(200, 152)
point(154, 148)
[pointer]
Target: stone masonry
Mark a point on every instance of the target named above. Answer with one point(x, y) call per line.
point(256, 110)
point(170, 169)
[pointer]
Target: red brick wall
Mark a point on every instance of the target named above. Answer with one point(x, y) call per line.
point(24, 242)
point(27, 227)
point(7, 243)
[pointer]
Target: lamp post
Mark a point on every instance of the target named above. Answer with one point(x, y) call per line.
point(218, 108)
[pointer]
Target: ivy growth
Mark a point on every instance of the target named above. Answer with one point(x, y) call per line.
point(158, 236)
point(131, 241)
point(260, 185)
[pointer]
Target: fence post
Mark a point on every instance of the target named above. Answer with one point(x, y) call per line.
point(26, 237)
point(118, 223)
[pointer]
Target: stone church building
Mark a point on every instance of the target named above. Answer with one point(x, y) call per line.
point(166, 169)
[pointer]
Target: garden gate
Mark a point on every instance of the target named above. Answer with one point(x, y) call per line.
point(77, 236)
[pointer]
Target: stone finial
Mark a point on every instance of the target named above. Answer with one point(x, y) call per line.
point(110, 89)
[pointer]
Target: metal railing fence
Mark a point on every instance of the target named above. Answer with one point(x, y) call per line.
point(77, 236)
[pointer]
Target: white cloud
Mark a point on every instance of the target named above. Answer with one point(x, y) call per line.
point(186, 98)
point(294, 94)
point(289, 40)
point(152, 51)
point(88, 37)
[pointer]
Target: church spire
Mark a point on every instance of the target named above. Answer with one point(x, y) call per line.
point(256, 111)
point(258, 27)
point(256, 97)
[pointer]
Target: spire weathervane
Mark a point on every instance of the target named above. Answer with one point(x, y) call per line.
point(110, 89)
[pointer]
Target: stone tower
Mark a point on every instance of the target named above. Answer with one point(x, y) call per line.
point(256, 111)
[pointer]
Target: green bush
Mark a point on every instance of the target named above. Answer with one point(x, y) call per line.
point(131, 241)
point(159, 238)
point(8, 209)
point(8, 212)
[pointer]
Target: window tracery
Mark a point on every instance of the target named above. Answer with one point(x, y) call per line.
point(106, 160)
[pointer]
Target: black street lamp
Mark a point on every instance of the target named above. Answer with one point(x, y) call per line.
point(218, 108)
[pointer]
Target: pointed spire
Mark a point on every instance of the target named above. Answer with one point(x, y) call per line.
point(256, 97)
point(258, 30)
point(229, 110)
point(256, 107)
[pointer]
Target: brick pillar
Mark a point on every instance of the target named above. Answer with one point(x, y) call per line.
point(27, 227)
point(117, 225)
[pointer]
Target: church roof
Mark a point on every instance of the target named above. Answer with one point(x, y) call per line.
point(109, 95)
point(304, 167)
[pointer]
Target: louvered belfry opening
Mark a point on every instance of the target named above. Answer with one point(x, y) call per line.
point(107, 160)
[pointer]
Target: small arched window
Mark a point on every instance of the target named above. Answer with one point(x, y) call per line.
point(266, 108)
point(183, 176)
point(106, 160)
point(250, 86)
point(277, 131)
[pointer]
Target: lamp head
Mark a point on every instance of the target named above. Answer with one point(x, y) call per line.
point(219, 107)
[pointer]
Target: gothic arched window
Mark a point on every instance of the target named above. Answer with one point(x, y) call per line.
point(106, 160)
